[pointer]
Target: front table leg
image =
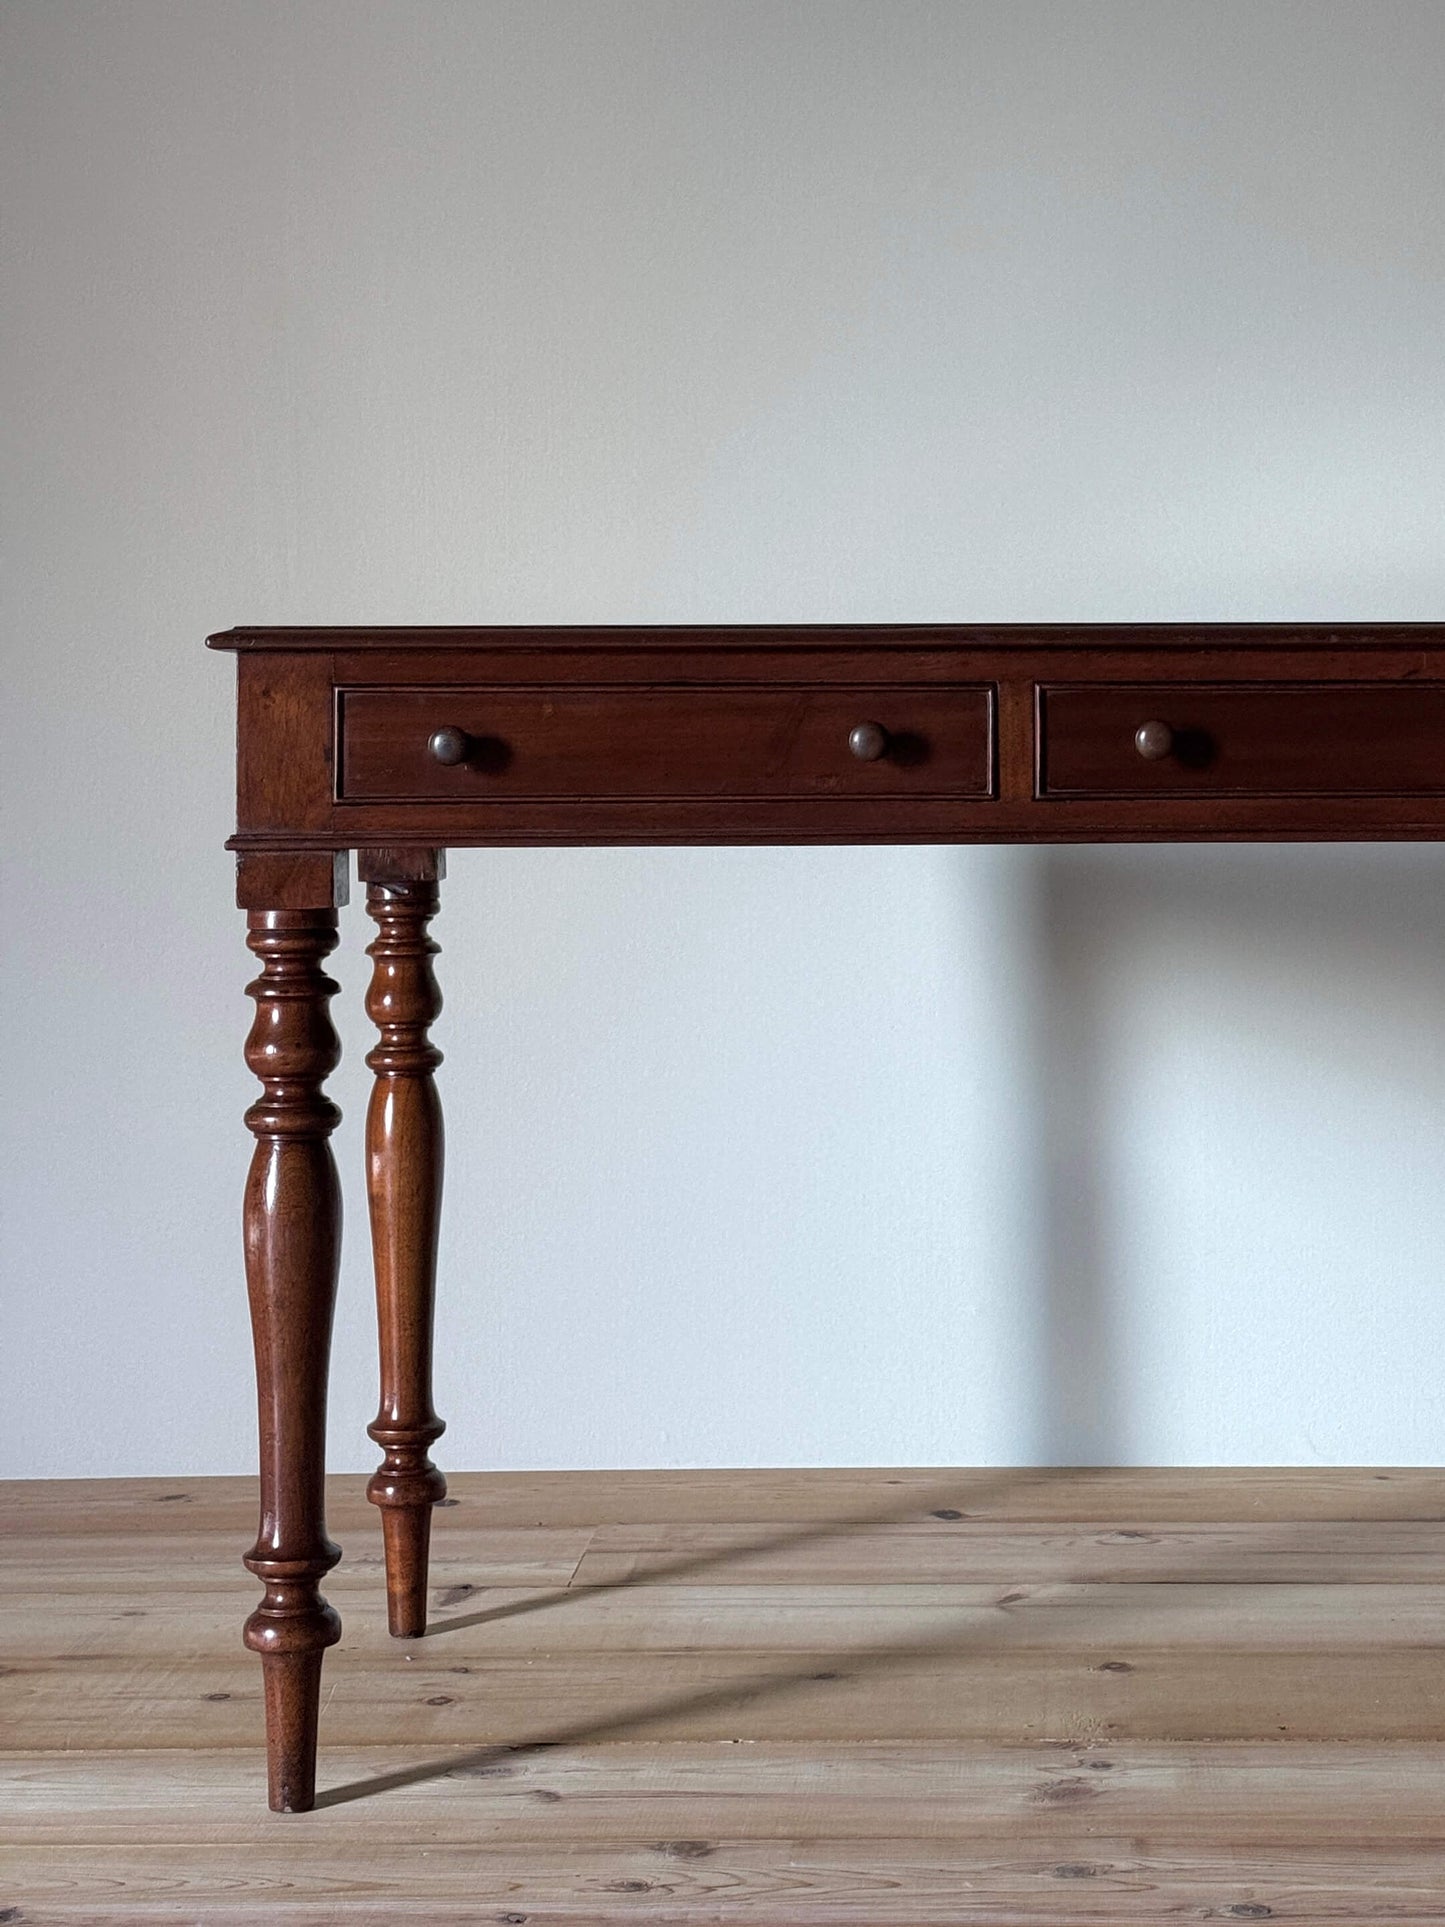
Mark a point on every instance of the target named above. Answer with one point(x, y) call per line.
point(293, 1243)
point(404, 1144)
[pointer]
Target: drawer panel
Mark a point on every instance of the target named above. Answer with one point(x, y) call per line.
point(1321, 739)
point(564, 743)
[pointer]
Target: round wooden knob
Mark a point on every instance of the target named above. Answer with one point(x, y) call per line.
point(450, 745)
point(1153, 741)
point(868, 741)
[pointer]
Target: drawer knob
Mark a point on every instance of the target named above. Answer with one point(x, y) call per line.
point(868, 741)
point(450, 745)
point(1153, 741)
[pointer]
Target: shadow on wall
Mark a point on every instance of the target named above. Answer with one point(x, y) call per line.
point(1163, 973)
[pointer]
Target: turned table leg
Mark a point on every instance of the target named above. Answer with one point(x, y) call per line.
point(293, 1236)
point(404, 1147)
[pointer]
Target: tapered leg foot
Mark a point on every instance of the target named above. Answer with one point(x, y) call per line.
point(407, 1537)
point(292, 1684)
point(404, 1147)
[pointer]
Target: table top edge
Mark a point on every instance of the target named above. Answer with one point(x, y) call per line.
point(828, 635)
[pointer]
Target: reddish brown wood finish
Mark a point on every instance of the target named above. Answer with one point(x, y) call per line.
point(685, 735)
point(293, 1244)
point(1335, 739)
point(608, 775)
point(715, 742)
point(404, 1152)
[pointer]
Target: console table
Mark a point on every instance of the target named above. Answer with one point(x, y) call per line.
point(396, 743)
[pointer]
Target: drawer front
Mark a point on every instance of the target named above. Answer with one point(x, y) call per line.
point(1182, 739)
point(624, 743)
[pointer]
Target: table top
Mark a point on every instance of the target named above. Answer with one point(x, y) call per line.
point(831, 635)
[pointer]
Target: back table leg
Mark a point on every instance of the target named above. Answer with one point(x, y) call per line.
point(293, 1237)
point(404, 1148)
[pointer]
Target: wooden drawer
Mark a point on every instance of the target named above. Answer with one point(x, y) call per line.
point(1321, 739)
point(561, 743)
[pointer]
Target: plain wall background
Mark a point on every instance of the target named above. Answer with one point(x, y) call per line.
point(331, 311)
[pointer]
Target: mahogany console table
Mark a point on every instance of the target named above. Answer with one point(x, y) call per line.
point(397, 742)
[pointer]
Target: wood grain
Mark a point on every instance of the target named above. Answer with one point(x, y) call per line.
point(1123, 1495)
point(292, 1221)
point(405, 1143)
point(755, 1739)
point(1294, 1551)
point(663, 742)
point(738, 734)
point(1331, 739)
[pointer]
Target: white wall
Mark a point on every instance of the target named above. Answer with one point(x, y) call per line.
point(444, 311)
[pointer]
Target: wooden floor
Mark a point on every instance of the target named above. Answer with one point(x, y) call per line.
point(790, 1699)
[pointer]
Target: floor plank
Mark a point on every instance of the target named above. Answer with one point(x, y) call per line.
point(1123, 1495)
point(1357, 1551)
point(118, 1624)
